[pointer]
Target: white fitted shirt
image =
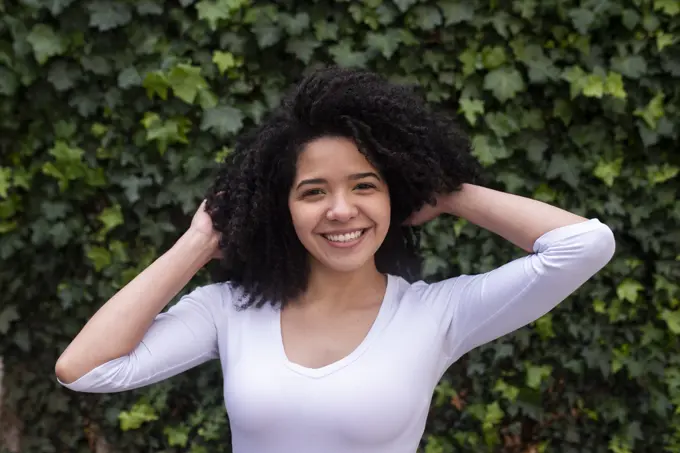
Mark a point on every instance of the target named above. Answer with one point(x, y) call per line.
point(376, 399)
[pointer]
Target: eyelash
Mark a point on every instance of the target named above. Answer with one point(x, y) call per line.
point(313, 192)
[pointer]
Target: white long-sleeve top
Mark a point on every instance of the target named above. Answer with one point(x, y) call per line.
point(376, 399)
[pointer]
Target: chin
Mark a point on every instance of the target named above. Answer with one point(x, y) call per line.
point(347, 266)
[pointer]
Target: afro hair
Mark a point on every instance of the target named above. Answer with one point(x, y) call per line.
point(418, 150)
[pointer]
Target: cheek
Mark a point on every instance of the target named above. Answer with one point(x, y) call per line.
point(304, 217)
point(383, 213)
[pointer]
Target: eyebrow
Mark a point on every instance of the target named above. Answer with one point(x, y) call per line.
point(352, 177)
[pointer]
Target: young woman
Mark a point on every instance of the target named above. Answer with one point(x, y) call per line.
point(327, 339)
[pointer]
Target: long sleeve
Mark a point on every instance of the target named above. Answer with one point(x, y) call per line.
point(181, 338)
point(471, 310)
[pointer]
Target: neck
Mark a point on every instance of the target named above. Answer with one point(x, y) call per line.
point(338, 291)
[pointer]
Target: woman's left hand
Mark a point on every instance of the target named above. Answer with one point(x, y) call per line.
point(427, 212)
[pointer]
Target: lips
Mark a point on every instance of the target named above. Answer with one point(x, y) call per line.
point(345, 239)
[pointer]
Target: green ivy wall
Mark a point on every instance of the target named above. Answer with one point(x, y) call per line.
point(114, 113)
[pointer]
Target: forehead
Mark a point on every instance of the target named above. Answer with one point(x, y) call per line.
point(329, 156)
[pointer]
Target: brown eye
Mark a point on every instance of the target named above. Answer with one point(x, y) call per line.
point(365, 186)
point(312, 192)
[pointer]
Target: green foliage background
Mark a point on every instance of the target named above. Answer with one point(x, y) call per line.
point(113, 113)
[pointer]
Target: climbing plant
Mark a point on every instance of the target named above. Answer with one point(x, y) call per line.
point(114, 113)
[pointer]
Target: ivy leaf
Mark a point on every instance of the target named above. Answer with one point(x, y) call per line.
point(630, 18)
point(659, 174)
point(45, 43)
point(62, 76)
point(344, 55)
point(149, 8)
point(222, 120)
point(525, 8)
point(223, 60)
point(593, 86)
point(426, 17)
point(501, 124)
point(608, 171)
point(456, 11)
point(129, 77)
point(652, 111)
point(529, 119)
point(156, 82)
point(267, 34)
point(8, 82)
point(173, 130)
point(404, 5)
point(99, 256)
point(54, 210)
point(628, 290)
point(650, 22)
point(562, 110)
point(633, 66)
point(212, 12)
point(178, 436)
point(303, 49)
point(536, 375)
point(107, 15)
point(325, 31)
point(670, 7)
point(535, 149)
point(139, 414)
point(541, 68)
point(5, 181)
point(186, 81)
point(470, 60)
point(613, 85)
point(471, 108)
point(132, 185)
point(96, 64)
point(582, 19)
point(488, 151)
point(664, 40)
point(111, 217)
point(56, 7)
point(207, 99)
point(504, 83)
point(294, 25)
point(672, 319)
point(386, 43)
point(566, 168)
point(493, 57)
point(7, 316)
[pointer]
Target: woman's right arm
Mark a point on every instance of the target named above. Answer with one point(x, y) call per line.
point(116, 331)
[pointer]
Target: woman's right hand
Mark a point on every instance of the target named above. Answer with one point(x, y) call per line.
point(201, 224)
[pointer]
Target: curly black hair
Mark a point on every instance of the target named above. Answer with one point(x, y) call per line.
point(419, 151)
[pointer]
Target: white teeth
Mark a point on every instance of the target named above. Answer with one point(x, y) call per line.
point(344, 237)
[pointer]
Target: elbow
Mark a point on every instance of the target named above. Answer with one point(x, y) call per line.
point(64, 371)
point(604, 246)
point(61, 370)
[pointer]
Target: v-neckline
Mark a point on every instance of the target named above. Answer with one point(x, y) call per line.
point(375, 329)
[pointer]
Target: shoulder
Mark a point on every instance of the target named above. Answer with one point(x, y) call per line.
point(216, 297)
point(421, 290)
point(422, 295)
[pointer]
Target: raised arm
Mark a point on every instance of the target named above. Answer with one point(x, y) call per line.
point(566, 250)
point(120, 325)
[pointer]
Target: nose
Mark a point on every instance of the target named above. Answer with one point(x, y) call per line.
point(341, 209)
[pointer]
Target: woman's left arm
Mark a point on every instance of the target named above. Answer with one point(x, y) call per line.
point(518, 219)
point(565, 251)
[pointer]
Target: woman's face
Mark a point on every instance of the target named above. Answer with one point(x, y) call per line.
point(339, 204)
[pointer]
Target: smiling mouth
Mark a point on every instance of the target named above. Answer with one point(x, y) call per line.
point(345, 238)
